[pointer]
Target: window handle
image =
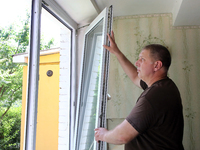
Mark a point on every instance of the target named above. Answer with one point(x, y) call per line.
point(108, 97)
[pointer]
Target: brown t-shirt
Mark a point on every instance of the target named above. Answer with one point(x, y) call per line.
point(158, 118)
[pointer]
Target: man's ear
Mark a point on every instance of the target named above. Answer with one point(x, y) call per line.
point(157, 65)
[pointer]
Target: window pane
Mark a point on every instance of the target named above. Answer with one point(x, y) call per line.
point(50, 31)
point(90, 92)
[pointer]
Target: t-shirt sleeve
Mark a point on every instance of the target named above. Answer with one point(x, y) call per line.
point(143, 84)
point(141, 116)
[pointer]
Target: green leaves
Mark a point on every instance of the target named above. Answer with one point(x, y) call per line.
point(10, 128)
point(47, 45)
point(10, 73)
point(13, 40)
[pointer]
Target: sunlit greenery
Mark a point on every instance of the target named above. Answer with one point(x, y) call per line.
point(14, 39)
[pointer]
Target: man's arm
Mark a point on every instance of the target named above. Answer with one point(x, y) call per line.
point(121, 134)
point(127, 66)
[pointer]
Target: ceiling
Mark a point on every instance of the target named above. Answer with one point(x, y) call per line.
point(185, 12)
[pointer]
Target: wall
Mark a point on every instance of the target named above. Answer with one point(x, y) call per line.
point(64, 89)
point(131, 34)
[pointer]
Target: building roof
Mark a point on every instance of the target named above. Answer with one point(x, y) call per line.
point(21, 58)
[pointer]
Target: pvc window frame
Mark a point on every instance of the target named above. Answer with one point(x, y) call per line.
point(106, 16)
point(33, 67)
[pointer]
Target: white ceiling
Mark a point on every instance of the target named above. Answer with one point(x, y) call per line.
point(185, 12)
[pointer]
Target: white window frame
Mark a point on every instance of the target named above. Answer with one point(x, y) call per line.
point(106, 16)
point(33, 74)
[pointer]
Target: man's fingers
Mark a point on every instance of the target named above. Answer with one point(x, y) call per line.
point(112, 34)
point(110, 38)
point(106, 47)
point(97, 135)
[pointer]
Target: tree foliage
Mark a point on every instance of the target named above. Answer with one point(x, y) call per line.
point(13, 40)
point(10, 129)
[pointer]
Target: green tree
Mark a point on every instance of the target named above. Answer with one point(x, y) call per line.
point(13, 40)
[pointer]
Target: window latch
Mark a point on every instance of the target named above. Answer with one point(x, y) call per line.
point(108, 97)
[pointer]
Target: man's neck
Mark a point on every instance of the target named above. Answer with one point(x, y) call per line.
point(155, 79)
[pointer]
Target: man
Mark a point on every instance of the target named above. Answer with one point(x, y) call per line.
point(156, 121)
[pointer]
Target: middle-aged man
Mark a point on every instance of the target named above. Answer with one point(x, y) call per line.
point(156, 121)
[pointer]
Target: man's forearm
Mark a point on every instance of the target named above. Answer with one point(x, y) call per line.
point(114, 137)
point(121, 134)
point(128, 67)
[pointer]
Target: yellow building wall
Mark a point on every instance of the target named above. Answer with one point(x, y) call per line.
point(48, 104)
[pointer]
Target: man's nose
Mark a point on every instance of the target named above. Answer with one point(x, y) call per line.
point(137, 63)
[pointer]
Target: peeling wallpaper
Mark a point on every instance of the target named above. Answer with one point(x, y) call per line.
point(134, 32)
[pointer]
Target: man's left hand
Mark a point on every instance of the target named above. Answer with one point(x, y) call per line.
point(100, 134)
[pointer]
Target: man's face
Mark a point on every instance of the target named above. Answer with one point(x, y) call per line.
point(145, 65)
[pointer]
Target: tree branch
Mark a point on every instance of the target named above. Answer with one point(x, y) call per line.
point(4, 113)
point(4, 89)
point(8, 107)
point(1, 88)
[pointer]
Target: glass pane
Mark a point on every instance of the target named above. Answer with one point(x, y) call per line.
point(90, 91)
point(54, 36)
point(50, 31)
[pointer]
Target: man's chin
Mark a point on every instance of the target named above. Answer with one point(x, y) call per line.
point(139, 75)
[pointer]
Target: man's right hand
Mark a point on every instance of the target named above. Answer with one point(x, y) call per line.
point(127, 66)
point(113, 46)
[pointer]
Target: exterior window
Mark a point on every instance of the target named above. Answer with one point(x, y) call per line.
point(44, 113)
point(92, 89)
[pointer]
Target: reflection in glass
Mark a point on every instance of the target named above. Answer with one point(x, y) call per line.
point(90, 89)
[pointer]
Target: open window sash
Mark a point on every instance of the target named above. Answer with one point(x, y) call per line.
point(92, 98)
